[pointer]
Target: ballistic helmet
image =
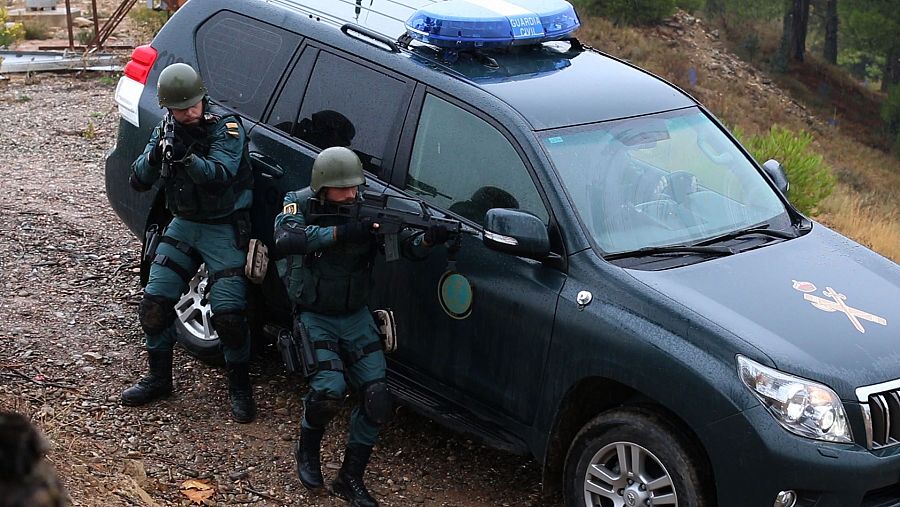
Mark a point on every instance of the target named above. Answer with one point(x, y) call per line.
point(179, 87)
point(336, 167)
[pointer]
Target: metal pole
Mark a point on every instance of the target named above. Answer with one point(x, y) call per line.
point(96, 24)
point(69, 24)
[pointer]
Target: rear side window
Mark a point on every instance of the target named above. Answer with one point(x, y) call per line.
point(462, 163)
point(345, 104)
point(242, 59)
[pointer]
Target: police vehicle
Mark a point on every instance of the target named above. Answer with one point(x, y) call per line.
point(636, 303)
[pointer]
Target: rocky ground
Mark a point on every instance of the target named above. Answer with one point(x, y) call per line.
point(70, 342)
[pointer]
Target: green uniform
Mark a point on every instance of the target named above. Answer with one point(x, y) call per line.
point(209, 193)
point(329, 287)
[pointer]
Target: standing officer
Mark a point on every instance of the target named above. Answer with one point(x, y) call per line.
point(328, 277)
point(208, 189)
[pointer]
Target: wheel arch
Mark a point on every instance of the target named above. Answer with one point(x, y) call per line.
point(592, 396)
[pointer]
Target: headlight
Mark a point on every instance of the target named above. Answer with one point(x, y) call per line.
point(803, 407)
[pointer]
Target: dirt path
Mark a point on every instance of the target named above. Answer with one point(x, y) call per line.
point(70, 342)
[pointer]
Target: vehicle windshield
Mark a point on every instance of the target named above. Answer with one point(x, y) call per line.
point(672, 178)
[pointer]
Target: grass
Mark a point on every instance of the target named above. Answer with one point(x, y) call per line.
point(865, 205)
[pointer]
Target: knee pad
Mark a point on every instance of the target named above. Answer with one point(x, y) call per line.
point(377, 402)
point(156, 313)
point(231, 326)
point(320, 407)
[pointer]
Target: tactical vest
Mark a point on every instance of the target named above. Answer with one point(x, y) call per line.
point(333, 281)
point(209, 201)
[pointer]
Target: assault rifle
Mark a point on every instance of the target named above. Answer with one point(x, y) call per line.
point(391, 213)
point(168, 145)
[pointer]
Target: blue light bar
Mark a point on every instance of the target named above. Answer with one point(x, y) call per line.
point(464, 24)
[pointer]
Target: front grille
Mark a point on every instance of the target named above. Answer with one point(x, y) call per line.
point(884, 409)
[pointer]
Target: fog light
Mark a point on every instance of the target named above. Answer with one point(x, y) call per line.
point(786, 499)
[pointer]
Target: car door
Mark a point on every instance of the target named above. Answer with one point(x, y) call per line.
point(481, 327)
point(319, 105)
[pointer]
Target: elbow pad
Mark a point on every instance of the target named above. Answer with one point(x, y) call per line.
point(290, 239)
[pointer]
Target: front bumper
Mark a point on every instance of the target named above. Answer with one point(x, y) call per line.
point(753, 458)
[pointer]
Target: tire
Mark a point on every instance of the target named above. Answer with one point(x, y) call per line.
point(193, 322)
point(671, 474)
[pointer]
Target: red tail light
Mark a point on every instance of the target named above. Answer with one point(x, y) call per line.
point(142, 59)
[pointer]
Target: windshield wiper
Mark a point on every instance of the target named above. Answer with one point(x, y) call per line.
point(762, 230)
point(672, 249)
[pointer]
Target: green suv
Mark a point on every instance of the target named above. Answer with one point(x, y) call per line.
point(635, 304)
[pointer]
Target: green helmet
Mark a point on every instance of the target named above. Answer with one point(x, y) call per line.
point(336, 167)
point(179, 87)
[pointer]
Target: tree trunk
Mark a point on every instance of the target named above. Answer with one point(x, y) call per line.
point(831, 31)
point(800, 20)
point(793, 38)
point(891, 74)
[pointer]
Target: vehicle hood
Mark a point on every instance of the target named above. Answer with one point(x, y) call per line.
point(791, 301)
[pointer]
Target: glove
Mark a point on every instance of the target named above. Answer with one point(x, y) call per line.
point(436, 235)
point(154, 156)
point(355, 232)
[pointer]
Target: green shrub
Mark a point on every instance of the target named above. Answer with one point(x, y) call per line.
point(811, 179)
point(148, 21)
point(84, 36)
point(633, 12)
point(9, 34)
point(36, 30)
point(890, 110)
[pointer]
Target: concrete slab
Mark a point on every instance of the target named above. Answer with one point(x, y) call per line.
point(50, 17)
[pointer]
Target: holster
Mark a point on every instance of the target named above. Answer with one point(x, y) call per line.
point(289, 354)
point(148, 251)
point(257, 261)
point(241, 223)
point(307, 354)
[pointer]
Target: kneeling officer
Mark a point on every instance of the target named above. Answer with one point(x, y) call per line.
point(203, 160)
point(328, 277)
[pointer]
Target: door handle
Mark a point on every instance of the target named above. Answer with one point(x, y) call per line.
point(266, 165)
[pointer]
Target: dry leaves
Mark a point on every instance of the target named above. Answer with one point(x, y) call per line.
point(197, 491)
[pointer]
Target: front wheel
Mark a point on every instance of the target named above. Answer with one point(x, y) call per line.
point(633, 458)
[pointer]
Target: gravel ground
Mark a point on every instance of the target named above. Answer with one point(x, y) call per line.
point(70, 342)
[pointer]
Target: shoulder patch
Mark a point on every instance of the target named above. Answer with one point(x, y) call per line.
point(290, 209)
point(231, 125)
point(233, 133)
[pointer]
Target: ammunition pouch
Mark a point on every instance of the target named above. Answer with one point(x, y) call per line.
point(148, 251)
point(387, 329)
point(257, 261)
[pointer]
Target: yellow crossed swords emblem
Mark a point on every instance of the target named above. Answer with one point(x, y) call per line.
point(837, 304)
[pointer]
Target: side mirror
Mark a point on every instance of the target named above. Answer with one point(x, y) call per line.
point(776, 172)
point(516, 232)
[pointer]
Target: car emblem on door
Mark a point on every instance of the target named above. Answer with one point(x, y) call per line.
point(837, 304)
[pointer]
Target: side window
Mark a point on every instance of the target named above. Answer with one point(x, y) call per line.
point(284, 113)
point(242, 59)
point(461, 163)
point(347, 104)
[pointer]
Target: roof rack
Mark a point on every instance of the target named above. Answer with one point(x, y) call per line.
point(394, 13)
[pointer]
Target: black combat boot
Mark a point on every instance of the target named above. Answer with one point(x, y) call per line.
point(349, 483)
point(243, 408)
point(157, 384)
point(306, 452)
